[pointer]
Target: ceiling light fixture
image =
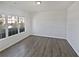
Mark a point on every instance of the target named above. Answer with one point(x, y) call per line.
point(38, 2)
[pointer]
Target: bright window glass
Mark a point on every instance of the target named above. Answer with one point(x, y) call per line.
point(12, 25)
point(21, 24)
point(2, 26)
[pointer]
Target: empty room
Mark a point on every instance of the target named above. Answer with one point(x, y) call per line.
point(39, 28)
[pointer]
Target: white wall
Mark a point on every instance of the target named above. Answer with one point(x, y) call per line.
point(51, 24)
point(6, 42)
point(73, 26)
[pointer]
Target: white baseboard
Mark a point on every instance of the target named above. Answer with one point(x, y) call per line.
point(73, 48)
point(61, 38)
point(9, 41)
point(49, 36)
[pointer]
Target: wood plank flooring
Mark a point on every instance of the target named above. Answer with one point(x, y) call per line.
point(37, 46)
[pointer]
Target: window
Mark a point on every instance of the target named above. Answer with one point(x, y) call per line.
point(2, 26)
point(21, 24)
point(12, 25)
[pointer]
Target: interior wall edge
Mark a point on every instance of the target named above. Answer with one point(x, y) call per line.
point(69, 40)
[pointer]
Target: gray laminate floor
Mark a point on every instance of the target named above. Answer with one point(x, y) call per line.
point(36, 46)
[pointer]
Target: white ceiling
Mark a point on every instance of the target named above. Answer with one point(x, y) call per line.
point(32, 7)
